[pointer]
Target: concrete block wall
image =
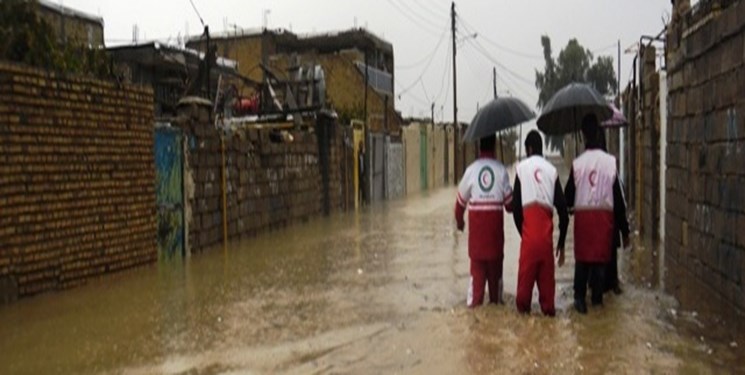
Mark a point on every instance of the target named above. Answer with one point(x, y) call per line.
point(411, 143)
point(77, 192)
point(705, 220)
point(269, 185)
point(436, 156)
point(648, 154)
point(395, 170)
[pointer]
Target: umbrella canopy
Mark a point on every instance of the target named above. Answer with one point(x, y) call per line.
point(565, 110)
point(618, 120)
point(499, 114)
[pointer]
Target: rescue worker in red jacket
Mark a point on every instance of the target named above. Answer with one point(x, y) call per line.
point(485, 190)
point(593, 194)
point(537, 190)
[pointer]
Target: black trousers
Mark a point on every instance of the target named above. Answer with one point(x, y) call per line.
point(594, 273)
point(611, 271)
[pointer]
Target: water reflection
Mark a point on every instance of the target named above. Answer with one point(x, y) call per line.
point(379, 291)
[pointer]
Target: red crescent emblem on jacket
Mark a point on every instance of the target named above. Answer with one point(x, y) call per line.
point(593, 178)
point(537, 176)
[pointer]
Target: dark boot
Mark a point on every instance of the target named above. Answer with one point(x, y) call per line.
point(580, 306)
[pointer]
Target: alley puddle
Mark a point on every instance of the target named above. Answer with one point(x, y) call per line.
point(382, 291)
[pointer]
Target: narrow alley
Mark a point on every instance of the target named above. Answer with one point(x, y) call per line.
point(381, 291)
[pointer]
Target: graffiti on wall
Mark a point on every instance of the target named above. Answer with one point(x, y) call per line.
point(169, 191)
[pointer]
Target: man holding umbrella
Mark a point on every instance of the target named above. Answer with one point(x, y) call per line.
point(537, 190)
point(593, 193)
point(486, 192)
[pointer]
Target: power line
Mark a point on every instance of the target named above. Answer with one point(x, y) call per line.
point(513, 86)
point(422, 26)
point(424, 89)
point(429, 56)
point(429, 10)
point(472, 30)
point(420, 16)
point(429, 63)
point(480, 48)
point(197, 12)
point(412, 96)
point(446, 73)
point(603, 49)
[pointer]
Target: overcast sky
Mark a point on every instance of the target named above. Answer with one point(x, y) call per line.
point(509, 33)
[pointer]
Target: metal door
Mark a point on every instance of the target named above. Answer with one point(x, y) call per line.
point(424, 164)
point(378, 167)
point(169, 191)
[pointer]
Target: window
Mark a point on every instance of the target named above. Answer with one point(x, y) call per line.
point(377, 79)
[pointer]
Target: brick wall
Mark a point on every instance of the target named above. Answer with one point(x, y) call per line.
point(77, 176)
point(705, 221)
point(648, 158)
point(270, 185)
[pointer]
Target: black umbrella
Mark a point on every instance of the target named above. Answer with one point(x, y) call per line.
point(565, 110)
point(499, 114)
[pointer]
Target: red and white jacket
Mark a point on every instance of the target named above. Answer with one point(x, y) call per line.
point(590, 192)
point(537, 192)
point(485, 190)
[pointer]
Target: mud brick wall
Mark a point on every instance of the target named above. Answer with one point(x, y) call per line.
point(270, 185)
point(648, 154)
point(341, 172)
point(705, 220)
point(77, 176)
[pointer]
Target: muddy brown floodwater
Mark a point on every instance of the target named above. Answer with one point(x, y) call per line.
point(381, 291)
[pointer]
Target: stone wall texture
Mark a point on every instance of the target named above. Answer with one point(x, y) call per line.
point(77, 195)
point(705, 220)
point(270, 184)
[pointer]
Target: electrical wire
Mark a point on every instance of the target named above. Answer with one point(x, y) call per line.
point(603, 49)
point(480, 48)
point(422, 26)
point(197, 12)
point(428, 56)
point(416, 81)
point(420, 16)
point(512, 85)
point(446, 73)
point(428, 9)
point(472, 30)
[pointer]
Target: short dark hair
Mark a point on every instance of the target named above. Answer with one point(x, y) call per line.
point(602, 141)
point(534, 142)
point(487, 143)
point(590, 128)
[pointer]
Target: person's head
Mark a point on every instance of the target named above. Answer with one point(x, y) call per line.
point(488, 143)
point(601, 141)
point(533, 143)
point(590, 130)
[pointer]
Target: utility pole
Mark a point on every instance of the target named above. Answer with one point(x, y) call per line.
point(456, 128)
point(495, 81)
point(621, 131)
point(432, 113)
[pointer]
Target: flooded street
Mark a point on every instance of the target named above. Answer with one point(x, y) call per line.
point(382, 291)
